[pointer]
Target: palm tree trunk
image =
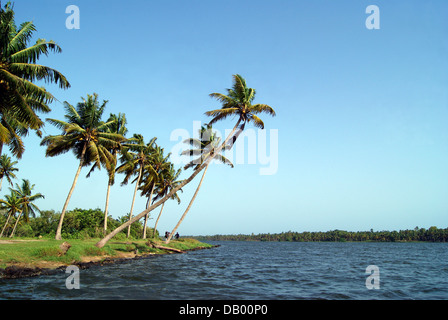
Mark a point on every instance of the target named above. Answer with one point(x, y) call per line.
point(133, 199)
point(147, 215)
point(188, 208)
point(157, 221)
point(103, 241)
point(109, 184)
point(146, 221)
point(6, 223)
point(61, 219)
point(1, 181)
point(15, 225)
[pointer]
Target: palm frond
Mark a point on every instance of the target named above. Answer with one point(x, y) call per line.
point(193, 142)
point(58, 123)
point(32, 54)
point(33, 72)
point(256, 121)
point(263, 108)
point(21, 37)
point(224, 160)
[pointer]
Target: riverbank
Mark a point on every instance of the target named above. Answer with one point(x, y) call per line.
point(21, 258)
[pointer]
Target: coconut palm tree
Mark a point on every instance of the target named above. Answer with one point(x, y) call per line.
point(20, 97)
point(12, 204)
point(152, 175)
point(136, 154)
point(118, 126)
point(86, 135)
point(238, 102)
point(205, 147)
point(168, 181)
point(27, 207)
point(7, 169)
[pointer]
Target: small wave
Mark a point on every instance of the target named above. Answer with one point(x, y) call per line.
point(243, 271)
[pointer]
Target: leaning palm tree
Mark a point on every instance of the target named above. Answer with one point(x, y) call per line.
point(7, 169)
point(136, 154)
point(20, 97)
point(168, 181)
point(118, 126)
point(238, 102)
point(27, 207)
point(205, 147)
point(12, 205)
point(86, 135)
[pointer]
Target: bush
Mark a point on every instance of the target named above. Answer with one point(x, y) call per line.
point(24, 230)
point(80, 224)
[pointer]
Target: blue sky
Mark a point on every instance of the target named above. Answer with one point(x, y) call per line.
point(361, 114)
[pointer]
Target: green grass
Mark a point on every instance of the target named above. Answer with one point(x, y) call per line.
point(187, 244)
point(38, 251)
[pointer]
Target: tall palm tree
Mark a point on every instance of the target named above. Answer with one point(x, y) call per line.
point(238, 102)
point(7, 169)
point(12, 204)
point(16, 130)
point(152, 176)
point(205, 147)
point(168, 181)
point(20, 97)
point(118, 126)
point(86, 135)
point(135, 156)
point(24, 193)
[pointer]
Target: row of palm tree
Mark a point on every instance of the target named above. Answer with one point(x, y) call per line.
point(90, 139)
point(20, 200)
point(238, 102)
point(99, 143)
point(96, 143)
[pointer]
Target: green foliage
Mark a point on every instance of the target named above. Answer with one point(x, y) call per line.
point(238, 102)
point(78, 224)
point(85, 134)
point(20, 97)
point(46, 252)
point(188, 244)
point(204, 147)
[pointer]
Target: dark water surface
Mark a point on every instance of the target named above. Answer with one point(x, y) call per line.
point(258, 270)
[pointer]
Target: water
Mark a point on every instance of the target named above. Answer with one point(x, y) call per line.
point(258, 270)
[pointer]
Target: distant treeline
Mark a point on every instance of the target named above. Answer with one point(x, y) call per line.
point(433, 234)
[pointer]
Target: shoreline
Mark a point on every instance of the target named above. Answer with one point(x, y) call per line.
point(17, 270)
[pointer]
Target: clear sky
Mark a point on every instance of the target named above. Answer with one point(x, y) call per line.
point(361, 126)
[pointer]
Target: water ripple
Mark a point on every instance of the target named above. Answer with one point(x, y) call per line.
point(258, 270)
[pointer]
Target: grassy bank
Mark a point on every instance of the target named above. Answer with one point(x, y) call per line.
point(45, 253)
